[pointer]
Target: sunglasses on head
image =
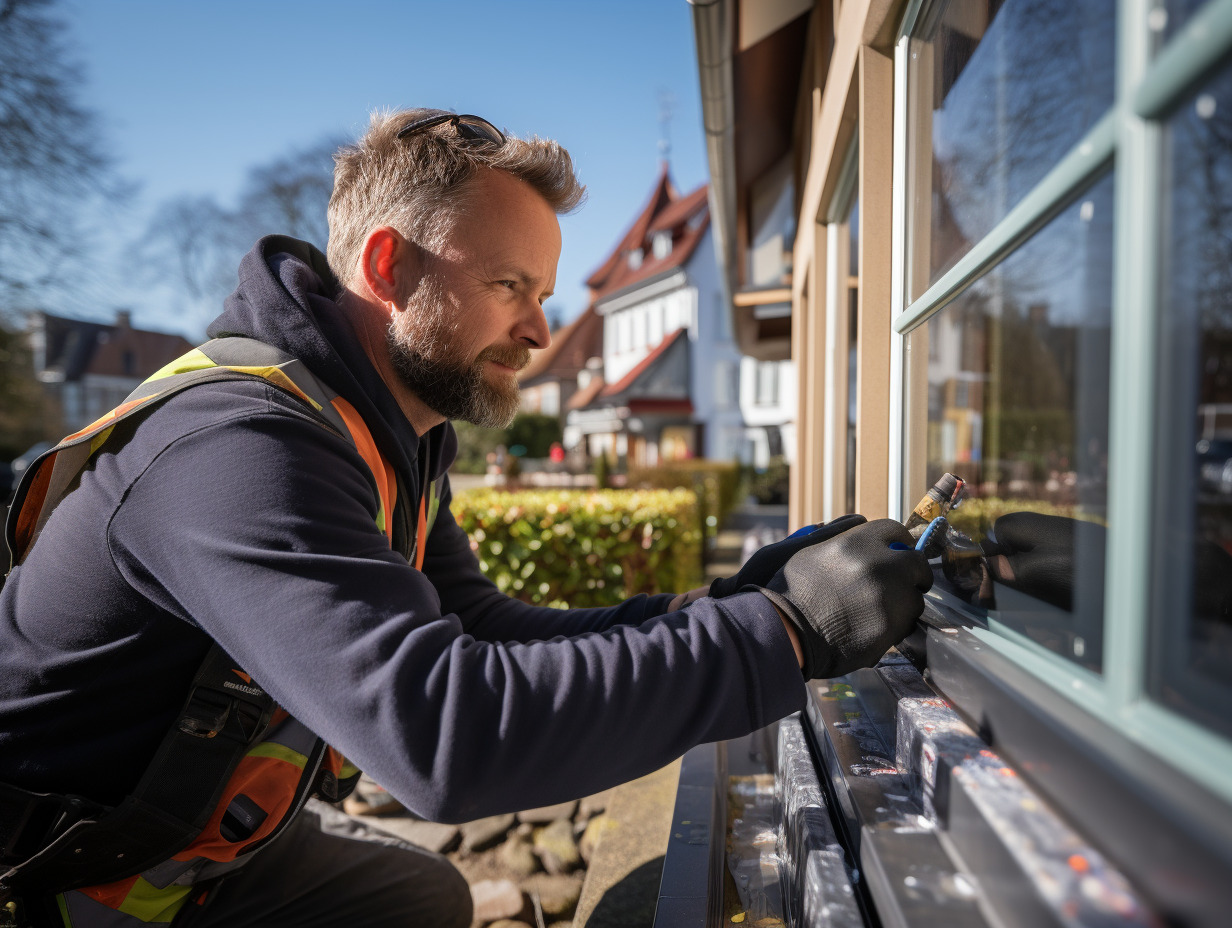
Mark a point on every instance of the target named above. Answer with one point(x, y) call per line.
point(471, 128)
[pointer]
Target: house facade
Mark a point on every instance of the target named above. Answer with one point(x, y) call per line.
point(89, 368)
point(668, 384)
point(1008, 243)
point(553, 376)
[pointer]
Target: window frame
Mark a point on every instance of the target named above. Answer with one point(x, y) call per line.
point(1128, 137)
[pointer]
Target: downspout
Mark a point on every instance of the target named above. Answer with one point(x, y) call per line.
point(713, 30)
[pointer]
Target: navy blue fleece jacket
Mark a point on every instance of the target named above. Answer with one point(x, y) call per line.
point(228, 514)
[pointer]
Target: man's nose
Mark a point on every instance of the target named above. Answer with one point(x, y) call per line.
point(532, 328)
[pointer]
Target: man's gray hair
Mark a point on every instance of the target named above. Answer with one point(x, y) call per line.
point(419, 185)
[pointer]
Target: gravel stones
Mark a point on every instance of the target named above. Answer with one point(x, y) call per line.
point(431, 836)
point(518, 856)
point(505, 851)
point(558, 894)
point(496, 899)
point(486, 832)
point(547, 814)
point(596, 828)
point(557, 848)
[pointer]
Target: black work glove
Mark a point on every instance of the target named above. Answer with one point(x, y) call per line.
point(852, 597)
point(1034, 554)
point(768, 561)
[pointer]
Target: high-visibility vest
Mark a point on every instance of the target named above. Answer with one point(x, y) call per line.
point(142, 861)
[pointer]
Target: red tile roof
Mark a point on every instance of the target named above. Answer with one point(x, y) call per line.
point(586, 395)
point(681, 210)
point(135, 352)
point(655, 353)
point(77, 347)
point(664, 211)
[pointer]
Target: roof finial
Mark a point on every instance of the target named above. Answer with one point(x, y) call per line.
point(667, 109)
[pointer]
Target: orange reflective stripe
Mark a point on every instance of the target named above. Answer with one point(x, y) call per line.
point(386, 484)
point(114, 414)
point(111, 895)
point(32, 507)
point(421, 531)
point(270, 784)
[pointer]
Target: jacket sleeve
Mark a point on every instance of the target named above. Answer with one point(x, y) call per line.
point(261, 530)
point(487, 614)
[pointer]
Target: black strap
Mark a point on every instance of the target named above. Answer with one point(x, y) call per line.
point(224, 715)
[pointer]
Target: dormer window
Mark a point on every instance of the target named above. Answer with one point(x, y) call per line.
point(662, 244)
point(635, 259)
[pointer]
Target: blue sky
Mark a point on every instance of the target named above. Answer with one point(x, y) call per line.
point(191, 95)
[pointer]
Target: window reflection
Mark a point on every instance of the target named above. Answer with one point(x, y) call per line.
point(1168, 16)
point(1193, 616)
point(1018, 407)
point(999, 91)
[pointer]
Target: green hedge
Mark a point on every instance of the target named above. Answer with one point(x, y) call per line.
point(583, 548)
point(717, 481)
point(975, 517)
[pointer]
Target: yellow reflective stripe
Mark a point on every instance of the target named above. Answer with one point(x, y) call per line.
point(279, 752)
point(97, 441)
point(275, 376)
point(348, 770)
point(62, 905)
point(195, 360)
point(148, 903)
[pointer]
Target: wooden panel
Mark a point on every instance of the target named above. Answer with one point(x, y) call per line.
point(876, 93)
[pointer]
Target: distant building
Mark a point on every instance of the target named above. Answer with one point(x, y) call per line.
point(90, 367)
point(668, 385)
point(552, 377)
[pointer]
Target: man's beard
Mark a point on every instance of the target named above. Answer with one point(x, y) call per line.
point(424, 352)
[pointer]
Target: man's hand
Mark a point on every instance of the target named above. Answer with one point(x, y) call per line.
point(759, 569)
point(852, 597)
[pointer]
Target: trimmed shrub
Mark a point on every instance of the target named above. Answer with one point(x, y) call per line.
point(474, 443)
point(535, 432)
point(583, 548)
point(770, 486)
point(716, 482)
point(975, 517)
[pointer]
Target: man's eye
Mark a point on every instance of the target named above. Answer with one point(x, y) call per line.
point(507, 283)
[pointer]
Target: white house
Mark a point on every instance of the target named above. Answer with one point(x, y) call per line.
point(669, 384)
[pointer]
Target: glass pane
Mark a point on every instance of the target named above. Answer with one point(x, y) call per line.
point(998, 93)
point(1193, 618)
point(1018, 407)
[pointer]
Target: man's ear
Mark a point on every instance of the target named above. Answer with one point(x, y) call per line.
point(389, 263)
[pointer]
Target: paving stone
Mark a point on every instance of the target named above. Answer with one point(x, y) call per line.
point(546, 814)
point(431, 836)
point(557, 847)
point(558, 894)
point(518, 856)
point(487, 832)
point(623, 878)
point(495, 899)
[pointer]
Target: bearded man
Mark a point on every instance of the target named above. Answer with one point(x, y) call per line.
point(246, 584)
